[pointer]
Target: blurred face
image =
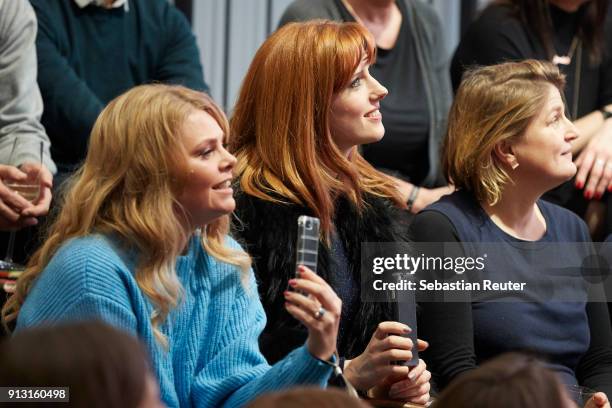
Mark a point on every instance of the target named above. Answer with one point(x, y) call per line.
point(544, 153)
point(355, 115)
point(207, 192)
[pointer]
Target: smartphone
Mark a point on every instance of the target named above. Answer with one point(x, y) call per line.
point(307, 246)
point(406, 310)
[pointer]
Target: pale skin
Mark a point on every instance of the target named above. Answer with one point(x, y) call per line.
point(384, 19)
point(15, 211)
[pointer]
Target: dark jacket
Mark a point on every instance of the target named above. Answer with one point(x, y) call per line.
point(268, 232)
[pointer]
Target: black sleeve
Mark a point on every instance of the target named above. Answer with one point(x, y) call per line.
point(595, 368)
point(446, 326)
point(496, 36)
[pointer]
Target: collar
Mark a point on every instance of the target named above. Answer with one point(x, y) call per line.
point(100, 3)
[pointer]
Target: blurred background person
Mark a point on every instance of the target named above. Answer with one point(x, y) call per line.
point(509, 142)
point(99, 365)
point(308, 398)
point(20, 110)
point(575, 35)
point(296, 137)
point(511, 380)
point(21, 134)
point(412, 63)
point(90, 51)
point(141, 243)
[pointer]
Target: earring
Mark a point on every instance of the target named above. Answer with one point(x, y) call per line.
point(514, 165)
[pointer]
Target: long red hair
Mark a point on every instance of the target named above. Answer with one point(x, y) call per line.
point(281, 122)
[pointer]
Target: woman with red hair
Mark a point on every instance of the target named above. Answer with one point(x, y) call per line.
point(307, 103)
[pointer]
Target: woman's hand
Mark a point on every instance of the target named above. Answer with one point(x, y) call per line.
point(415, 388)
point(595, 163)
point(599, 400)
point(387, 345)
point(319, 312)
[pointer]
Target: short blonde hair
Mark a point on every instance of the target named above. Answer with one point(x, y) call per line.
point(493, 104)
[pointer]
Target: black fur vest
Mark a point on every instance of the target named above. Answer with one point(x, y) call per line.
point(268, 233)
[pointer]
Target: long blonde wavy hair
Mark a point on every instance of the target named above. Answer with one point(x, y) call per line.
point(127, 187)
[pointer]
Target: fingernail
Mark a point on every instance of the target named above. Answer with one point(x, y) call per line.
point(610, 188)
point(579, 185)
point(598, 195)
point(407, 329)
point(411, 376)
point(588, 195)
point(286, 293)
point(292, 283)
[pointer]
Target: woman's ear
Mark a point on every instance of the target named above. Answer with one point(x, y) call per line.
point(504, 152)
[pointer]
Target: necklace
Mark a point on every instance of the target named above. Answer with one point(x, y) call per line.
point(566, 59)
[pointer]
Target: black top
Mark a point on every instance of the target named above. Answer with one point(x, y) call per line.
point(345, 285)
point(574, 336)
point(268, 231)
point(404, 149)
point(498, 35)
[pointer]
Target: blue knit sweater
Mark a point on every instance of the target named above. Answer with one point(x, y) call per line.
point(213, 357)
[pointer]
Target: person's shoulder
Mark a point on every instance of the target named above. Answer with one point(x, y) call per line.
point(304, 10)
point(14, 15)
point(55, 6)
point(424, 11)
point(568, 224)
point(89, 259)
point(496, 18)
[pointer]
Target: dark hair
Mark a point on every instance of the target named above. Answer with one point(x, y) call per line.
point(591, 16)
point(308, 397)
point(102, 366)
point(511, 380)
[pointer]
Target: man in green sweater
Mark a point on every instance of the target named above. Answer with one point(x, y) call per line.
point(90, 51)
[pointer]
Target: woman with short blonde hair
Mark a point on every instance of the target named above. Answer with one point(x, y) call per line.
point(509, 142)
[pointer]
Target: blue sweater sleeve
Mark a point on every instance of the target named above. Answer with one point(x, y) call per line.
point(78, 284)
point(180, 59)
point(71, 108)
point(239, 369)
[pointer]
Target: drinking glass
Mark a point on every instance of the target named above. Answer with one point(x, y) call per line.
point(30, 190)
point(579, 394)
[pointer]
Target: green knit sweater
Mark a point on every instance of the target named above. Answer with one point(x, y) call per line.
point(86, 57)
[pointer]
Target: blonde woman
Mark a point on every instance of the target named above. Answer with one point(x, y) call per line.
point(127, 248)
point(509, 141)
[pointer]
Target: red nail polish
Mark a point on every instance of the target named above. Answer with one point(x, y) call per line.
point(292, 282)
point(588, 195)
point(598, 196)
point(579, 185)
point(610, 188)
point(286, 293)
